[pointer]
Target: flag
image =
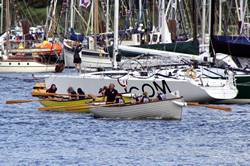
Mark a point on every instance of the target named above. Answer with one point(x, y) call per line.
point(84, 3)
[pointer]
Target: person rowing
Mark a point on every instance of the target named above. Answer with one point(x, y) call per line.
point(119, 99)
point(72, 93)
point(111, 93)
point(145, 98)
point(81, 94)
point(141, 98)
point(51, 90)
point(161, 96)
point(102, 91)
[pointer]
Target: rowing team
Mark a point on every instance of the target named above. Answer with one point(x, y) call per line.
point(110, 93)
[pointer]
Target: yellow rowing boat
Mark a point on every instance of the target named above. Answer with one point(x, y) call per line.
point(79, 106)
point(67, 106)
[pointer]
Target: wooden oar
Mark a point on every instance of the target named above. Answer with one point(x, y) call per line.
point(78, 106)
point(76, 95)
point(71, 109)
point(27, 101)
point(41, 94)
point(56, 94)
point(63, 107)
point(226, 109)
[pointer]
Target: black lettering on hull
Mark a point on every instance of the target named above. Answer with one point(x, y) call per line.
point(163, 88)
point(133, 88)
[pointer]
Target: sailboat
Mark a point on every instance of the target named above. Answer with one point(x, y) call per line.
point(90, 52)
point(234, 44)
point(198, 88)
point(20, 56)
point(94, 57)
point(234, 51)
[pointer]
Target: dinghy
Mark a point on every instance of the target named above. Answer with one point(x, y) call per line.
point(168, 109)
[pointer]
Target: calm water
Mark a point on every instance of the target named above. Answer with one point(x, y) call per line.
point(32, 137)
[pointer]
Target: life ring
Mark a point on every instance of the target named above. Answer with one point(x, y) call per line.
point(122, 83)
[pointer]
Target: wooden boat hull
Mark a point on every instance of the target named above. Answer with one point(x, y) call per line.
point(73, 106)
point(80, 109)
point(169, 109)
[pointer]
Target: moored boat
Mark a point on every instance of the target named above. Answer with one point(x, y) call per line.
point(25, 67)
point(199, 89)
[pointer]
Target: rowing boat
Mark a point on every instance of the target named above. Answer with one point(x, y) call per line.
point(168, 109)
point(79, 106)
point(61, 106)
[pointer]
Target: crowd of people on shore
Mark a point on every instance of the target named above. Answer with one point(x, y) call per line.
point(109, 94)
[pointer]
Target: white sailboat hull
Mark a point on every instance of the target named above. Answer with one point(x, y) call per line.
point(91, 59)
point(94, 62)
point(88, 62)
point(190, 91)
point(25, 67)
point(169, 109)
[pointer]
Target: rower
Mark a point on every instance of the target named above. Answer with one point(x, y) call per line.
point(111, 93)
point(81, 94)
point(72, 93)
point(102, 91)
point(119, 99)
point(161, 96)
point(52, 90)
point(145, 98)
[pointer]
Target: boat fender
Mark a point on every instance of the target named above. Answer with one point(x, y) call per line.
point(122, 83)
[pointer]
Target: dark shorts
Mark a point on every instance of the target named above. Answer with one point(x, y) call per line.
point(77, 61)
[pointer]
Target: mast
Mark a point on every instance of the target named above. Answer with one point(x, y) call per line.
point(242, 15)
point(140, 11)
point(92, 18)
point(194, 14)
point(51, 28)
point(8, 26)
point(96, 25)
point(130, 14)
point(107, 22)
point(1, 21)
point(203, 24)
point(166, 36)
point(153, 15)
point(220, 17)
point(212, 20)
point(72, 14)
point(116, 31)
point(66, 20)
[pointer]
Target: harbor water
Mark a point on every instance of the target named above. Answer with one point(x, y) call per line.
point(203, 137)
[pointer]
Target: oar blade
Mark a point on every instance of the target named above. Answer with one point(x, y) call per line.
point(17, 101)
point(226, 109)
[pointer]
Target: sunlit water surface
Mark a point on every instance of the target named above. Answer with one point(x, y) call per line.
point(32, 137)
